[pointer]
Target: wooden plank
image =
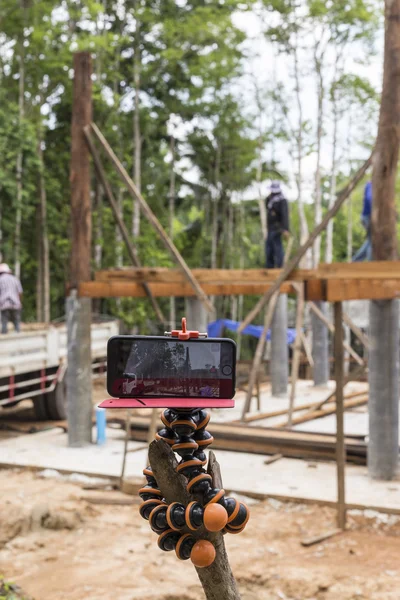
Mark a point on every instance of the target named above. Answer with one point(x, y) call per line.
point(320, 538)
point(340, 443)
point(292, 264)
point(168, 243)
point(320, 413)
point(310, 405)
point(362, 289)
point(272, 459)
point(116, 289)
point(264, 440)
point(119, 220)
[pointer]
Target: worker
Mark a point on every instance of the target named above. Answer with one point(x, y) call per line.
point(278, 225)
point(10, 298)
point(365, 252)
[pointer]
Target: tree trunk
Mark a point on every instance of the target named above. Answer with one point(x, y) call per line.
point(214, 234)
point(319, 331)
point(39, 274)
point(172, 303)
point(318, 191)
point(98, 235)
point(19, 167)
point(306, 261)
point(137, 168)
point(349, 229)
point(332, 186)
point(44, 270)
point(241, 233)
point(384, 315)
point(261, 200)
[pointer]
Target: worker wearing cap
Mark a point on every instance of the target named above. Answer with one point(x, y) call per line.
point(10, 298)
point(278, 225)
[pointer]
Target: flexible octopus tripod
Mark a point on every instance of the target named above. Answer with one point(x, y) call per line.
point(185, 431)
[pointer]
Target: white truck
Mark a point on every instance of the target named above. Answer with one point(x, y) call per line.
point(33, 365)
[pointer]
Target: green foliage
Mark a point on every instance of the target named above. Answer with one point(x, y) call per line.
point(190, 61)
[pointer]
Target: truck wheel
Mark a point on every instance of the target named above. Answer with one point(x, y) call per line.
point(40, 408)
point(56, 402)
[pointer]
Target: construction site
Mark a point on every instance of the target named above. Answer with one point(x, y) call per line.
point(301, 459)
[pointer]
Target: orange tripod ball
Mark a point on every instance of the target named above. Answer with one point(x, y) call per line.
point(215, 517)
point(203, 554)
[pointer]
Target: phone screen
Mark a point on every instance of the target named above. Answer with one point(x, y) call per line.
point(163, 367)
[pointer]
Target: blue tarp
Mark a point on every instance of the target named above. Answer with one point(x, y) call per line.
point(216, 327)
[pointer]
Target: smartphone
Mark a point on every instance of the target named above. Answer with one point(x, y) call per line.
point(161, 367)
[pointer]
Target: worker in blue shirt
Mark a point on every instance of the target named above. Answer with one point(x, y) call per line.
point(365, 252)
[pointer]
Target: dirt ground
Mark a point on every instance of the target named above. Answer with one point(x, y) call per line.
point(56, 545)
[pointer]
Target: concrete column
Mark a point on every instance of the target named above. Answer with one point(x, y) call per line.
point(79, 372)
point(383, 445)
point(196, 315)
point(320, 347)
point(279, 348)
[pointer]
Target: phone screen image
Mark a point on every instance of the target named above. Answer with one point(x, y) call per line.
point(160, 367)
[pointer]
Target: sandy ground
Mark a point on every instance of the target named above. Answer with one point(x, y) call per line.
point(59, 546)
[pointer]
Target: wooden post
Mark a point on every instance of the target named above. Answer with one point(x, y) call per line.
point(383, 443)
point(297, 349)
point(79, 372)
point(292, 264)
point(340, 443)
point(119, 220)
point(269, 314)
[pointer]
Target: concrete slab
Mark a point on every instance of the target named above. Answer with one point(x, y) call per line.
point(241, 472)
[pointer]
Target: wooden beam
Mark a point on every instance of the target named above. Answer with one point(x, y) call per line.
point(292, 264)
point(356, 330)
point(331, 328)
point(335, 271)
point(119, 220)
point(340, 443)
point(373, 289)
point(166, 275)
point(168, 243)
point(115, 289)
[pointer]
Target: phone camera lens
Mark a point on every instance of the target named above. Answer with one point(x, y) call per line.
point(227, 370)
